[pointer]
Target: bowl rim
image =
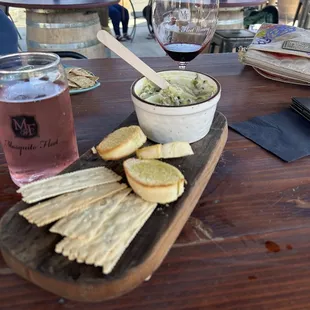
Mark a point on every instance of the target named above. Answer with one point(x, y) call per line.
point(133, 93)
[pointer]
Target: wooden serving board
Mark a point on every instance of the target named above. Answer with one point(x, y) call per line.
point(29, 250)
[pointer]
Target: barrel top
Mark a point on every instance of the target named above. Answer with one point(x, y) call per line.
point(58, 4)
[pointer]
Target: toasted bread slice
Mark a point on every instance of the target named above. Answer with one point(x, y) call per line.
point(121, 143)
point(168, 150)
point(150, 152)
point(153, 180)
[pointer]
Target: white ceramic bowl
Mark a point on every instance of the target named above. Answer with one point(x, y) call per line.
point(164, 124)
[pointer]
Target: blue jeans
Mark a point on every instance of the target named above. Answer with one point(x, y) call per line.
point(8, 36)
point(119, 14)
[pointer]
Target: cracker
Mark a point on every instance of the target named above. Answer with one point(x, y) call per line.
point(86, 224)
point(66, 183)
point(94, 78)
point(80, 78)
point(53, 209)
point(113, 256)
point(115, 235)
point(81, 72)
point(72, 85)
point(82, 81)
point(96, 251)
point(68, 70)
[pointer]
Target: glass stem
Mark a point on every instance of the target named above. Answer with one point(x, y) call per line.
point(182, 65)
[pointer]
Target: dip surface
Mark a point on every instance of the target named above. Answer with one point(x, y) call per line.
point(184, 90)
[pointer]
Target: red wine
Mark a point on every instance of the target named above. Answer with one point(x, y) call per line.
point(183, 51)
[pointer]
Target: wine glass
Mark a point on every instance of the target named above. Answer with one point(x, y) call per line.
point(183, 28)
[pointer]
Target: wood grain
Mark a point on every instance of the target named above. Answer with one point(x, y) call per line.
point(252, 197)
point(29, 250)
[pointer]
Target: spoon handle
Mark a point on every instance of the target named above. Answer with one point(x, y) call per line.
point(109, 41)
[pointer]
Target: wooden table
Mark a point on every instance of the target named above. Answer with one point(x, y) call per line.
point(231, 12)
point(64, 25)
point(255, 208)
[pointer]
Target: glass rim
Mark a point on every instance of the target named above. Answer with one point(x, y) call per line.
point(53, 63)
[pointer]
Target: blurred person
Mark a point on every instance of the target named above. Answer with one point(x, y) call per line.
point(8, 35)
point(147, 14)
point(119, 14)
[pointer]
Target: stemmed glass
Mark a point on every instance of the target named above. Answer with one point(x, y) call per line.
point(183, 28)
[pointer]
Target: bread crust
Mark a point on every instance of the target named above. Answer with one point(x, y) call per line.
point(163, 193)
point(126, 147)
point(168, 150)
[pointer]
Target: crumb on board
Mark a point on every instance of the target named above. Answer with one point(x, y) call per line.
point(148, 278)
point(93, 149)
point(61, 301)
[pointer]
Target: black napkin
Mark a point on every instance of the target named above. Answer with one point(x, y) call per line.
point(285, 134)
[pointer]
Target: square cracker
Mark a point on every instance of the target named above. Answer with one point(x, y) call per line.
point(72, 85)
point(66, 183)
point(68, 70)
point(94, 78)
point(82, 81)
point(81, 72)
point(53, 209)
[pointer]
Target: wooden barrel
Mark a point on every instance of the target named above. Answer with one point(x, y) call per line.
point(287, 10)
point(66, 30)
point(230, 18)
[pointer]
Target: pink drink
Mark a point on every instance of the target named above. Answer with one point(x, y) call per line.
point(36, 128)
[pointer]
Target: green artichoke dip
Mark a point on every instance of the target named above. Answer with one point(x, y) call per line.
point(183, 91)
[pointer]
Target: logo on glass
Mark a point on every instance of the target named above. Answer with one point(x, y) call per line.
point(24, 126)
